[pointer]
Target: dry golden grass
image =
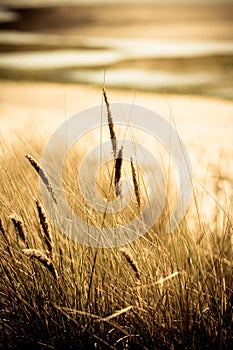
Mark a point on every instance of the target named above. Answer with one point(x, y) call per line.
point(46, 228)
point(18, 224)
point(111, 125)
point(129, 258)
point(42, 174)
point(162, 291)
point(135, 183)
point(41, 257)
point(118, 167)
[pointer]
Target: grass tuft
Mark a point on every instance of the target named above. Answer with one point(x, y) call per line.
point(163, 291)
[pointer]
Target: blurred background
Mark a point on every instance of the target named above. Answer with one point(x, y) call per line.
point(181, 47)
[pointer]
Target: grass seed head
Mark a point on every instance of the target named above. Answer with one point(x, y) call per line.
point(131, 262)
point(42, 175)
point(135, 184)
point(45, 227)
point(43, 259)
point(118, 167)
point(19, 226)
point(110, 125)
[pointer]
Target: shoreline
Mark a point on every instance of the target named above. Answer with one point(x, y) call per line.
point(152, 47)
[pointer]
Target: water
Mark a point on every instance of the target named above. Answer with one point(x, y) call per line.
point(193, 65)
point(113, 51)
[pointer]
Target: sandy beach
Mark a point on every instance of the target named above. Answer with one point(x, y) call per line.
point(34, 111)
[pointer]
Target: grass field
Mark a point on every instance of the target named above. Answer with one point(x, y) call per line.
point(163, 291)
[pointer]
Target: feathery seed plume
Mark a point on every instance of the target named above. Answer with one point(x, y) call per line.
point(131, 262)
point(135, 183)
point(45, 227)
point(43, 259)
point(111, 125)
point(19, 227)
point(118, 167)
point(42, 175)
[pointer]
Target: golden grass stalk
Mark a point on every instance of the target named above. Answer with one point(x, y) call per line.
point(116, 314)
point(45, 227)
point(19, 226)
point(42, 175)
point(118, 167)
point(2, 229)
point(135, 184)
point(5, 236)
point(161, 280)
point(43, 259)
point(131, 262)
point(110, 125)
